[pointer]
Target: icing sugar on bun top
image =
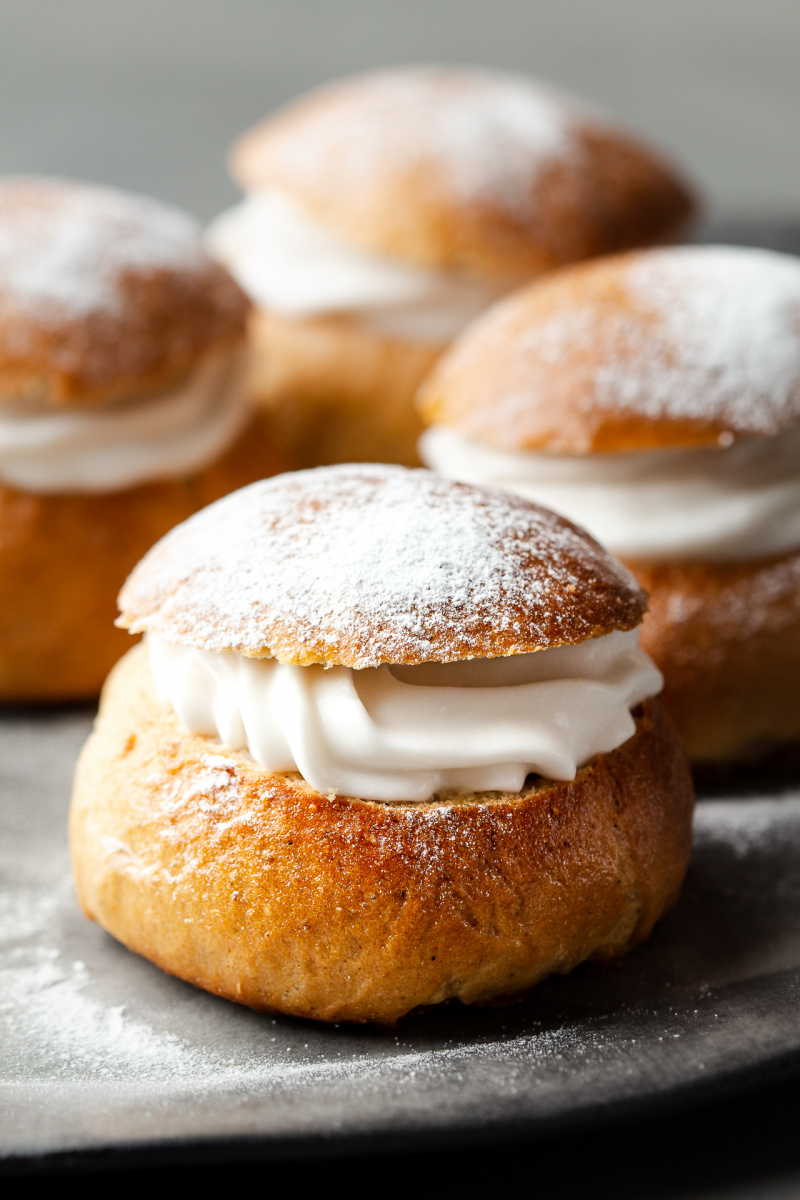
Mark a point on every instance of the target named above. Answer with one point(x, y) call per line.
point(103, 295)
point(654, 398)
point(362, 565)
point(673, 348)
point(465, 169)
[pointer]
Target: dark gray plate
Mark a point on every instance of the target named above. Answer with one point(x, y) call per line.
point(101, 1051)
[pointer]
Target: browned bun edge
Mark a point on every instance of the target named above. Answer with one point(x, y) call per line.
point(727, 638)
point(257, 888)
point(336, 391)
point(362, 564)
point(64, 556)
point(363, 156)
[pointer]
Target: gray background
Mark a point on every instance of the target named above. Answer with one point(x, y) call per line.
point(147, 94)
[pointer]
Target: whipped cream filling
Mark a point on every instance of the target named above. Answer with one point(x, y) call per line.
point(396, 733)
point(108, 449)
point(289, 262)
point(737, 502)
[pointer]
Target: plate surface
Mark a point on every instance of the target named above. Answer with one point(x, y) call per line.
point(102, 1051)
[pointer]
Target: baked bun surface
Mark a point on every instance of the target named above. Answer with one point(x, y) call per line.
point(257, 888)
point(62, 557)
point(103, 295)
point(457, 167)
point(337, 392)
point(677, 347)
point(367, 564)
point(727, 637)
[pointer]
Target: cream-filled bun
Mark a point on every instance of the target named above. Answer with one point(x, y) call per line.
point(654, 398)
point(386, 211)
point(123, 409)
point(389, 741)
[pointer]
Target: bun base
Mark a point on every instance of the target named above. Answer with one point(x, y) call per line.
point(727, 638)
point(336, 391)
point(257, 888)
point(64, 557)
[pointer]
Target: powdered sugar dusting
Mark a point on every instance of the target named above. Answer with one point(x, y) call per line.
point(731, 331)
point(749, 826)
point(48, 1012)
point(370, 564)
point(64, 247)
point(712, 334)
point(486, 134)
point(754, 604)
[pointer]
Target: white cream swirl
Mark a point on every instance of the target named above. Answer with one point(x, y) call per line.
point(395, 733)
point(125, 444)
point(288, 262)
point(733, 503)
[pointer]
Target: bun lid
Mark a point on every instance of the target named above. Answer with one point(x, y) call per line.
point(103, 294)
point(465, 168)
point(679, 347)
point(362, 565)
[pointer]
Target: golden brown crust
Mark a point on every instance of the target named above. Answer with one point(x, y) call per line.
point(336, 391)
point(104, 295)
point(255, 887)
point(64, 557)
point(366, 564)
point(690, 346)
point(463, 168)
point(727, 638)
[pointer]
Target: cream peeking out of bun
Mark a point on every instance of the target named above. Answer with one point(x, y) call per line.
point(385, 212)
point(654, 398)
point(123, 409)
point(390, 741)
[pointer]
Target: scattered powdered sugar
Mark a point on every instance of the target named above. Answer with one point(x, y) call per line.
point(212, 788)
point(100, 1049)
point(64, 247)
point(215, 778)
point(48, 1013)
point(486, 134)
point(750, 826)
point(54, 1017)
point(713, 334)
point(370, 564)
point(71, 1029)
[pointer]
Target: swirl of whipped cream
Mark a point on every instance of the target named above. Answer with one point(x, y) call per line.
point(737, 502)
point(288, 262)
point(122, 445)
point(395, 733)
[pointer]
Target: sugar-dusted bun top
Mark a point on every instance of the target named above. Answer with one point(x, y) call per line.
point(465, 168)
point(363, 565)
point(103, 294)
point(688, 346)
